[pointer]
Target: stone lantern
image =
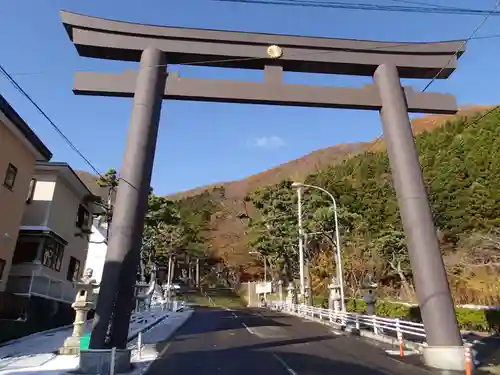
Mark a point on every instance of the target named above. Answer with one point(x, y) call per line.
point(84, 302)
point(141, 289)
point(334, 298)
point(369, 290)
point(168, 295)
point(307, 295)
point(291, 297)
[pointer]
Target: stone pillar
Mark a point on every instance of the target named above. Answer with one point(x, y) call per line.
point(291, 294)
point(197, 273)
point(436, 305)
point(370, 298)
point(334, 297)
point(123, 255)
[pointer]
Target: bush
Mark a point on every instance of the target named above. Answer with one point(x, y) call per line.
point(468, 319)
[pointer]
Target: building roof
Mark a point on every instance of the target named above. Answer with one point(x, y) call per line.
point(66, 171)
point(24, 128)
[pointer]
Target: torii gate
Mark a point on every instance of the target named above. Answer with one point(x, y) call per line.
point(387, 62)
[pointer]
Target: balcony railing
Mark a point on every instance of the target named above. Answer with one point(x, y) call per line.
point(12, 307)
point(41, 285)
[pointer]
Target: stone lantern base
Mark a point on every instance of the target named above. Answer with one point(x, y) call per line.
point(71, 346)
point(98, 361)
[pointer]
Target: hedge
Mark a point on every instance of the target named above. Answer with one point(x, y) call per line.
point(468, 319)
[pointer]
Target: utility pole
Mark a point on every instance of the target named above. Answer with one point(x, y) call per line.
point(301, 241)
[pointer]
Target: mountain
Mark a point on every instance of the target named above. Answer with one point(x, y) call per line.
point(460, 165)
point(229, 238)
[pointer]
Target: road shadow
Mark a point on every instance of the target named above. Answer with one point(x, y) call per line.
point(271, 358)
point(487, 348)
point(218, 319)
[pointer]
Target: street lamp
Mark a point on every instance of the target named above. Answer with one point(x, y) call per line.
point(299, 186)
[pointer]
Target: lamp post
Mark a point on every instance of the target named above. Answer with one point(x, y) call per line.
point(299, 186)
point(301, 242)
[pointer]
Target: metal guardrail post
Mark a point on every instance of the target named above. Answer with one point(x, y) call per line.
point(400, 338)
point(31, 282)
point(139, 345)
point(112, 362)
point(468, 359)
point(375, 328)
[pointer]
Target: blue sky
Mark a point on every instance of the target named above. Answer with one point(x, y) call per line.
point(202, 143)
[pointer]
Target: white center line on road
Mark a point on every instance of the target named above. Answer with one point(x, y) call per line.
point(285, 365)
point(248, 328)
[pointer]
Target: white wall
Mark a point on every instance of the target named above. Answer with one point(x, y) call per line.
point(96, 254)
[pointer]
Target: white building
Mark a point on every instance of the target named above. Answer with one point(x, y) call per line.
point(53, 237)
point(98, 246)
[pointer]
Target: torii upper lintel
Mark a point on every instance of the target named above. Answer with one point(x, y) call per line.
point(117, 40)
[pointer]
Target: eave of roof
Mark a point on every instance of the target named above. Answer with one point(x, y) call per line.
point(24, 128)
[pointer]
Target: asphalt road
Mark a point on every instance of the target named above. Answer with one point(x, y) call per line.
point(257, 342)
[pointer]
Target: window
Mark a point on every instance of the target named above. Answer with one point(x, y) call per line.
point(82, 217)
point(26, 250)
point(10, 177)
point(52, 254)
point(31, 191)
point(73, 269)
point(2, 266)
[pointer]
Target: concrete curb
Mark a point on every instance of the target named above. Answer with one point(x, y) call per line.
point(41, 333)
point(410, 345)
point(189, 314)
point(147, 328)
point(36, 334)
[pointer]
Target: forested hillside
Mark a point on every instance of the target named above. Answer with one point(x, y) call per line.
point(461, 166)
point(461, 169)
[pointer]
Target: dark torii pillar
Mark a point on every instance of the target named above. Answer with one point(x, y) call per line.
point(445, 347)
point(124, 246)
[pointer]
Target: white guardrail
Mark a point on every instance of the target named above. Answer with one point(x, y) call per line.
point(409, 335)
point(378, 325)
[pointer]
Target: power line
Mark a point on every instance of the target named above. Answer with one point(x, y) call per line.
point(366, 6)
point(424, 4)
point(476, 30)
point(56, 128)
